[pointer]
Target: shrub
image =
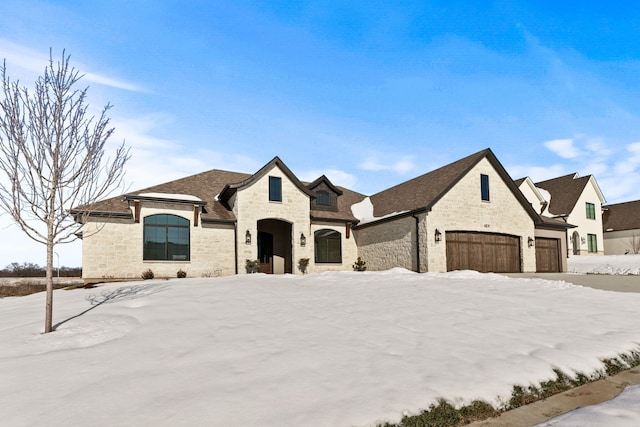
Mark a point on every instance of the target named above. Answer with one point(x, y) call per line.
point(147, 274)
point(252, 266)
point(181, 274)
point(360, 265)
point(303, 263)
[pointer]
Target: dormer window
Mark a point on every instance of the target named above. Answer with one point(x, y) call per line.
point(324, 198)
point(275, 189)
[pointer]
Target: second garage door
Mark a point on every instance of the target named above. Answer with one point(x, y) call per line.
point(484, 252)
point(547, 255)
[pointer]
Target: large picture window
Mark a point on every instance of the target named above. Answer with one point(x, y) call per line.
point(328, 246)
point(166, 238)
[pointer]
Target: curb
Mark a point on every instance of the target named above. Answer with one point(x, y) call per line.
point(588, 394)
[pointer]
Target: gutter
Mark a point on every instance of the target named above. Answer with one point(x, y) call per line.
point(417, 241)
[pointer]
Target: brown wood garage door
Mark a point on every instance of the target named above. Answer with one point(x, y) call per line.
point(547, 255)
point(484, 252)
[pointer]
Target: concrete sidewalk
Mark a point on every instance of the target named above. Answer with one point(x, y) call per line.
point(585, 395)
point(597, 281)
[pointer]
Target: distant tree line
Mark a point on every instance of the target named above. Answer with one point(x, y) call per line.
point(28, 269)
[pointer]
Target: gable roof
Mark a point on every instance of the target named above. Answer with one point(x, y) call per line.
point(327, 182)
point(230, 189)
point(207, 187)
point(421, 193)
point(621, 216)
point(566, 190)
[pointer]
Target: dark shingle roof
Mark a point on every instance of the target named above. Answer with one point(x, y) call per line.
point(565, 192)
point(424, 191)
point(622, 216)
point(208, 185)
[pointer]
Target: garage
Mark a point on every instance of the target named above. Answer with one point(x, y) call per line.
point(548, 255)
point(484, 252)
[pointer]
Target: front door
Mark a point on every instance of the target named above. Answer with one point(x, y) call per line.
point(265, 252)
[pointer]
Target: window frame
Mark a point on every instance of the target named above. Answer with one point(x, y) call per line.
point(485, 194)
point(275, 189)
point(322, 250)
point(592, 243)
point(590, 210)
point(171, 231)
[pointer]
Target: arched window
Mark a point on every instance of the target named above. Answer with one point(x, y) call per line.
point(328, 246)
point(324, 198)
point(166, 238)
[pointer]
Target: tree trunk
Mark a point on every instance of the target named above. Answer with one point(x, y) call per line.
point(48, 321)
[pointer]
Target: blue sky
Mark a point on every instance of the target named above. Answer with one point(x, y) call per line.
point(369, 93)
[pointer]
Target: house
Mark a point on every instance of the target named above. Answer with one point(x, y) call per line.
point(466, 215)
point(621, 226)
point(575, 200)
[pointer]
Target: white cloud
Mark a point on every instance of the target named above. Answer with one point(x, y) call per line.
point(563, 148)
point(401, 166)
point(336, 176)
point(32, 63)
point(537, 173)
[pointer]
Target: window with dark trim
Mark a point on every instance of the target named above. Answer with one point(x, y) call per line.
point(275, 189)
point(324, 198)
point(592, 242)
point(484, 187)
point(166, 238)
point(328, 246)
point(591, 210)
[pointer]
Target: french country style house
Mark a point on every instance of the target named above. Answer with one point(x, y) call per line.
point(576, 200)
point(467, 215)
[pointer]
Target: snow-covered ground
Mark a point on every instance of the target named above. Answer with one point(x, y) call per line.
point(610, 264)
point(334, 349)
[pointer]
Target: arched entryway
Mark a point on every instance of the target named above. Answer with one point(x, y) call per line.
point(576, 243)
point(274, 246)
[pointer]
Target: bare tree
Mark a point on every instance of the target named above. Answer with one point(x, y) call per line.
point(52, 158)
point(634, 243)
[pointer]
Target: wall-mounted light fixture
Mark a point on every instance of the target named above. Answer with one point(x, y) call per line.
point(530, 241)
point(303, 240)
point(583, 240)
point(438, 235)
point(247, 237)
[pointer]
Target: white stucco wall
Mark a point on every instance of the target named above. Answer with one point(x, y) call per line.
point(621, 242)
point(114, 249)
point(586, 226)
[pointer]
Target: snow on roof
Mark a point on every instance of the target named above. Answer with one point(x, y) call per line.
point(547, 197)
point(172, 196)
point(364, 212)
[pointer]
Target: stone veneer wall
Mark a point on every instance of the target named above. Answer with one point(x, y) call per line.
point(388, 244)
point(392, 243)
point(462, 209)
point(252, 204)
point(349, 249)
point(113, 249)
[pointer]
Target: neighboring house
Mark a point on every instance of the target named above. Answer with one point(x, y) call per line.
point(575, 200)
point(621, 225)
point(467, 215)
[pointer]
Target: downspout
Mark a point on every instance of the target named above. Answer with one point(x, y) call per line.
point(235, 246)
point(417, 241)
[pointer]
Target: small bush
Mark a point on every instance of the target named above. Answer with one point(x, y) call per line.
point(360, 265)
point(252, 266)
point(303, 264)
point(147, 274)
point(181, 274)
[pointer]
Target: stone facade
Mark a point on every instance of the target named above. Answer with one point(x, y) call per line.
point(113, 249)
point(393, 243)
